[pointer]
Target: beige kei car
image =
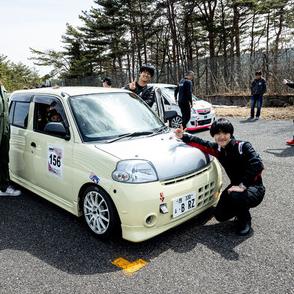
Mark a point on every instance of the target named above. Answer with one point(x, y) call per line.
point(105, 155)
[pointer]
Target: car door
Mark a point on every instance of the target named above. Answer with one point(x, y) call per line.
point(20, 164)
point(51, 153)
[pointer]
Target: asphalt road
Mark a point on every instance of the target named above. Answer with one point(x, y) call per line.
point(47, 250)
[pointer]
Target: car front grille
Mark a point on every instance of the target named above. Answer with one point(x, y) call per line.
point(205, 194)
point(204, 122)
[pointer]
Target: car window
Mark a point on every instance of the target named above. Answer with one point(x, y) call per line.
point(170, 91)
point(108, 115)
point(165, 101)
point(18, 114)
point(47, 109)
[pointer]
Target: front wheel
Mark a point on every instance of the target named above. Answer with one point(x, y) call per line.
point(100, 213)
point(175, 122)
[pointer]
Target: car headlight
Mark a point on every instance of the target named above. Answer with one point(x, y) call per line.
point(134, 171)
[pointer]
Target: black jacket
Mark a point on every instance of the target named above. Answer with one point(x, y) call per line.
point(147, 93)
point(185, 89)
point(258, 87)
point(240, 161)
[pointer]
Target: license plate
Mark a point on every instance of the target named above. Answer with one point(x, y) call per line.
point(184, 204)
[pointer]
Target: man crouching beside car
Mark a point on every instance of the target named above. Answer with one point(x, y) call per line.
point(243, 167)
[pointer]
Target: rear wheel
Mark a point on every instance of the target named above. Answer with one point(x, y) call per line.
point(100, 213)
point(175, 122)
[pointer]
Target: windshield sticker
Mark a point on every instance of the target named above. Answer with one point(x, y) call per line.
point(55, 160)
point(94, 178)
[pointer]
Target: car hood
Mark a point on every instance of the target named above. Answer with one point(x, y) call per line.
point(170, 157)
point(201, 104)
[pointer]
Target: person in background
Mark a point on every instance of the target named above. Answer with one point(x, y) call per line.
point(291, 85)
point(107, 82)
point(141, 87)
point(243, 167)
point(258, 88)
point(185, 90)
point(5, 188)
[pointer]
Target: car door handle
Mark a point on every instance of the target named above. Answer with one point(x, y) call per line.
point(33, 144)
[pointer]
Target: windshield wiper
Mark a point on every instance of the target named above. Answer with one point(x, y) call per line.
point(133, 134)
point(161, 129)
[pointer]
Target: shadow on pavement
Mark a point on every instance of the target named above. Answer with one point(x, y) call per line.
point(248, 120)
point(281, 152)
point(31, 224)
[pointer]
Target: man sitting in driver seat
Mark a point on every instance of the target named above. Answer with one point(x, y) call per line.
point(54, 116)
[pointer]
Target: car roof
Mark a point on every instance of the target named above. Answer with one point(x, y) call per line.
point(70, 91)
point(160, 85)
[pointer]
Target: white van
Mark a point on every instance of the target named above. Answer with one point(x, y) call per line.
point(103, 154)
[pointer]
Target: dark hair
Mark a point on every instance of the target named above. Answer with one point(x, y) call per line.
point(258, 73)
point(221, 125)
point(148, 67)
point(189, 72)
point(52, 112)
point(107, 80)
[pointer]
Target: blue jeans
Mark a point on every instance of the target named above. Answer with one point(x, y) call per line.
point(257, 98)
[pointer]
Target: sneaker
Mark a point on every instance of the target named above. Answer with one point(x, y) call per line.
point(290, 142)
point(10, 191)
point(257, 118)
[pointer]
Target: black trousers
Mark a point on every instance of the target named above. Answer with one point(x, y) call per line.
point(186, 113)
point(238, 203)
point(4, 161)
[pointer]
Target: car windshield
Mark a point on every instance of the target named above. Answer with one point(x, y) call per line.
point(170, 91)
point(194, 98)
point(108, 116)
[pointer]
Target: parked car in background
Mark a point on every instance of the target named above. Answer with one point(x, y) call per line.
point(108, 158)
point(202, 112)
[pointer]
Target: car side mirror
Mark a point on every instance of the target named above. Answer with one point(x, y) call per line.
point(58, 129)
point(168, 115)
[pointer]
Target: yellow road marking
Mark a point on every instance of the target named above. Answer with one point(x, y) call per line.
point(129, 267)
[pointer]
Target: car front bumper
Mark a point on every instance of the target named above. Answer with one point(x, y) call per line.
point(198, 122)
point(139, 205)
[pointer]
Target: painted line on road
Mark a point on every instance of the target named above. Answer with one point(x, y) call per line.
point(129, 267)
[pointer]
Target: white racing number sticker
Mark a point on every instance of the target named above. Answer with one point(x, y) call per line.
point(55, 160)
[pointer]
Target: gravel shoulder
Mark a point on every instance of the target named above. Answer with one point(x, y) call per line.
point(268, 113)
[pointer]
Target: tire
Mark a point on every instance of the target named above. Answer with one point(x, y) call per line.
point(175, 122)
point(100, 213)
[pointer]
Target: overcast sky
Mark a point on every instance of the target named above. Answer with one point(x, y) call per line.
point(36, 23)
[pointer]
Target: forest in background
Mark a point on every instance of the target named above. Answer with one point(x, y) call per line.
point(223, 41)
point(16, 76)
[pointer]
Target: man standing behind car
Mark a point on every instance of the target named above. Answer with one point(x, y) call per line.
point(141, 87)
point(5, 188)
point(185, 89)
point(258, 88)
